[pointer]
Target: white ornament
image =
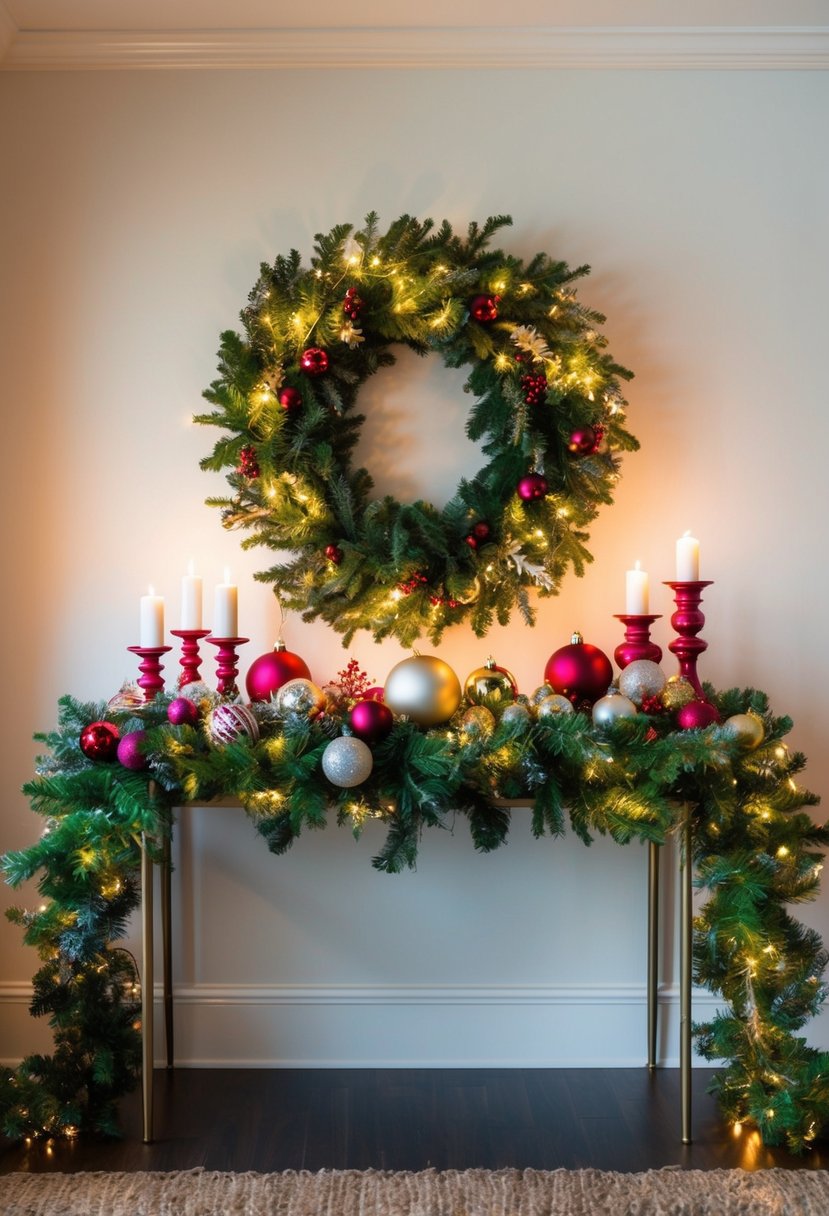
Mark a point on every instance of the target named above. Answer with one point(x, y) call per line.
point(347, 761)
point(611, 708)
point(231, 723)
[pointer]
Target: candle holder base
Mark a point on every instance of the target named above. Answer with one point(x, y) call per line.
point(688, 621)
point(190, 660)
point(226, 663)
point(637, 643)
point(150, 668)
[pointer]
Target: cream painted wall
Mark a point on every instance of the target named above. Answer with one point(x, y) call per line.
point(134, 212)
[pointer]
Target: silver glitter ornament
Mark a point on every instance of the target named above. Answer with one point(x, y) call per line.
point(553, 705)
point(541, 693)
point(611, 708)
point(517, 715)
point(347, 761)
point(301, 696)
point(641, 680)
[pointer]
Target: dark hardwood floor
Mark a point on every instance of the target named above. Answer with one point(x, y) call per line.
point(411, 1119)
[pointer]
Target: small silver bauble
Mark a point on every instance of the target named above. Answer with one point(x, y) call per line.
point(611, 708)
point(641, 680)
point(554, 704)
point(747, 729)
point(301, 696)
point(541, 693)
point(516, 715)
point(347, 761)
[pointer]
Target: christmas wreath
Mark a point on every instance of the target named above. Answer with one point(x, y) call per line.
point(547, 409)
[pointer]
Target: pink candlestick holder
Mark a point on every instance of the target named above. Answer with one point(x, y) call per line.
point(226, 663)
point(688, 621)
point(190, 660)
point(150, 668)
point(637, 643)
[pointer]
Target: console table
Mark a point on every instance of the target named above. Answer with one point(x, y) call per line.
point(685, 970)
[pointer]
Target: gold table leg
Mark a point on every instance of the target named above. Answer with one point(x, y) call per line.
point(653, 948)
point(147, 983)
point(685, 931)
point(167, 948)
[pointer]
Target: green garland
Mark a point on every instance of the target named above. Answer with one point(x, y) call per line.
point(756, 850)
point(546, 405)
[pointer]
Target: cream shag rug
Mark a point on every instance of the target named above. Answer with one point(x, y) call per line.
point(670, 1192)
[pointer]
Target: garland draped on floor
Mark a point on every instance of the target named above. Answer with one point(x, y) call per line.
point(756, 850)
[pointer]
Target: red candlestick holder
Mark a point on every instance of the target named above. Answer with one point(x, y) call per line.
point(226, 663)
point(190, 660)
point(150, 668)
point(637, 643)
point(688, 621)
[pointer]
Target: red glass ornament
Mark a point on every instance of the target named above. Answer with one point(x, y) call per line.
point(484, 308)
point(371, 721)
point(99, 740)
point(270, 671)
point(130, 751)
point(696, 715)
point(471, 540)
point(313, 361)
point(182, 712)
point(334, 554)
point(290, 399)
point(481, 530)
point(532, 487)
point(583, 441)
point(580, 672)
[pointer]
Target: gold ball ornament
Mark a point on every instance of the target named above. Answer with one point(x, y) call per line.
point(677, 692)
point(423, 687)
point(347, 762)
point(553, 705)
point(642, 680)
point(747, 729)
point(301, 696)
point(478, 722)
point(612, 708)
point(490, 685)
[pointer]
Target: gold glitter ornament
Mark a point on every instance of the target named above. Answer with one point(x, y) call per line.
point(490, 685)
point(747, 729)
point(677, 692)
point(478, 722)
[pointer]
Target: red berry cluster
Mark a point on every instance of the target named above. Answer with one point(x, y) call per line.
point(353, 305)
point(334, 554)
point(652, 705)
point(480, 532)
point(535, 387)
point(353, 682)
point(248, 464)
point(412, 584)
point(444, 601)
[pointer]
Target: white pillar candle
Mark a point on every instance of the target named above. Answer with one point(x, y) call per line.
point(191, 600)
point(687, 559)
point(152, 620)
point(636, 592)
point(226, 610)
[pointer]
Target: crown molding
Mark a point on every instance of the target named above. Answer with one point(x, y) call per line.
point(8, 30)
point(759, 48)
